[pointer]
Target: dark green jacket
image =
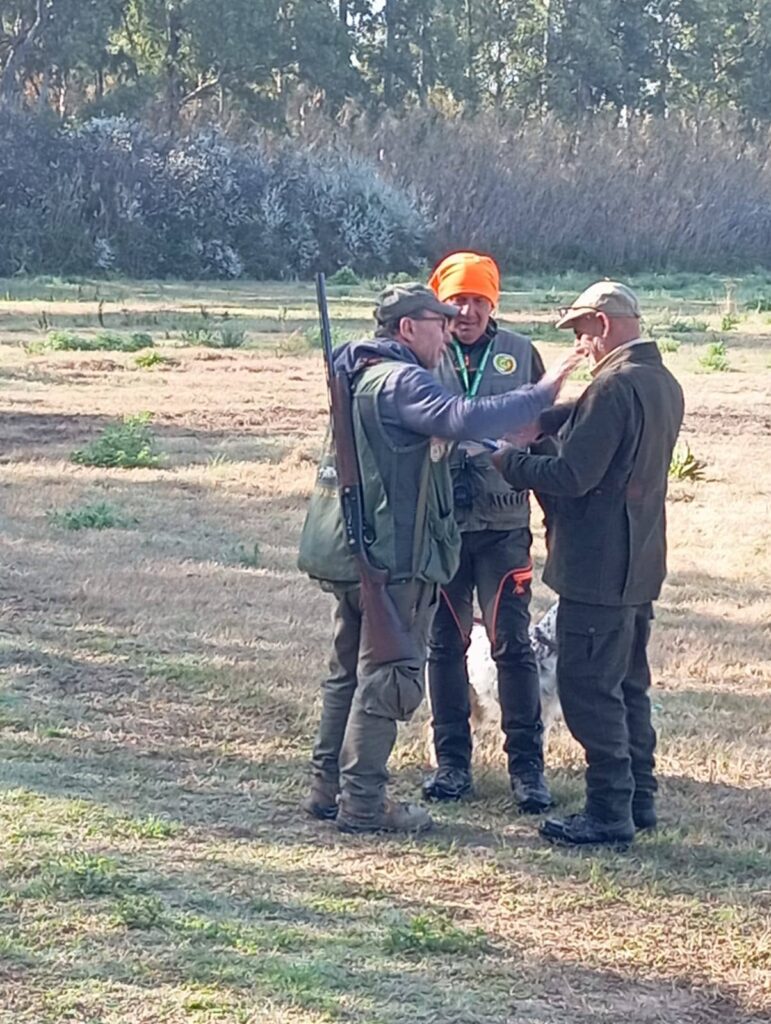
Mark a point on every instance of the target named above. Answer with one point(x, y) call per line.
point(605, 491)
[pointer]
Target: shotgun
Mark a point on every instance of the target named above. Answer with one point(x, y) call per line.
point(383, 632)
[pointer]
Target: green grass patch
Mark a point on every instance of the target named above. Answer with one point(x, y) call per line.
point(76, 875)
point(105, 341)
point(140, 912)
point(668, 344)
point(429, 933)
point(98, 516)
point(126, 445)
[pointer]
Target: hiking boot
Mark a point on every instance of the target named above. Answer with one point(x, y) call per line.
point(586, 830)
point(321, 802)
point(644, 814)
point(531, 792)
point(447, 783)
point(392, 817)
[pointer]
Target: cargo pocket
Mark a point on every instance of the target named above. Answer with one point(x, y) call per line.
point(392, 691)
point(583, 630)
point(443, 544)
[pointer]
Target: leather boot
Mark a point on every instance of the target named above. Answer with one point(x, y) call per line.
point(447, 783)
point(354, 818)
point(585, 830)
point(531, 791)
point(321, 802)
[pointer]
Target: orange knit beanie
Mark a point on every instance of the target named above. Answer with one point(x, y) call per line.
point(466, 273)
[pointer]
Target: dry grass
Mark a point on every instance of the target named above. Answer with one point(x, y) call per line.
point(159, 691)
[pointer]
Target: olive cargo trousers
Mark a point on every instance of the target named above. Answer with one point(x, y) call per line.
point(363, 701)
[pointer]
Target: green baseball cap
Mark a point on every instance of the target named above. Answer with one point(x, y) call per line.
point(609, 297)
point(410, 299)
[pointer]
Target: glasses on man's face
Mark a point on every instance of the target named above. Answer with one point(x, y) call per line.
point(437, 319)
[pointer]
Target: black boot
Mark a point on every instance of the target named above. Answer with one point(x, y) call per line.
point(531, 791)
point(447, 783)
point(644, 813)
point(585, 830)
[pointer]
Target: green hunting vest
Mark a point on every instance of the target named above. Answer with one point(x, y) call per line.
point(409, 525)
point(495, 505)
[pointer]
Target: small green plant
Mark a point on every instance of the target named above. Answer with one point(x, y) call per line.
point(668, 344)
point(429, 934)
point(137, 911)
point(248, 555)
point(99, 516)
point(312, 336)
point(729, 322)
point(146, 360)
point(344, 276)
point(228, 337)
point(126, 445)
point(715, 359)
point(685, 465)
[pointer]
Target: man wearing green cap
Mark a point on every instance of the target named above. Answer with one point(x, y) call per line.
point(604, 494)
point(399, 412)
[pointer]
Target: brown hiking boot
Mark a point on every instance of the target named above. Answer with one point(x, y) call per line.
point(393, 817)
point(321, 802)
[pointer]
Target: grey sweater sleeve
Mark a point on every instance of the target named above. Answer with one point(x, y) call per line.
point(413, 400)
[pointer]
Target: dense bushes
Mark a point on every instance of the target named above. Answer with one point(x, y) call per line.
point(677, 193)
point(111, 197)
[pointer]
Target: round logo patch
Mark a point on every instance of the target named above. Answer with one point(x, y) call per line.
point(504, 363)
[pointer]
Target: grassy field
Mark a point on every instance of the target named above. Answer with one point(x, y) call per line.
point(161, 658)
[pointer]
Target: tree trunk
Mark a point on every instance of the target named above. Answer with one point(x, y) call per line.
point(20, 46)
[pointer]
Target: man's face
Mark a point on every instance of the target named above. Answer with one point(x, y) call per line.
point(428, 335)
point(471, 322)
point(590, 332)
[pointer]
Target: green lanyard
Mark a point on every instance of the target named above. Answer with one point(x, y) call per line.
point(463, 369)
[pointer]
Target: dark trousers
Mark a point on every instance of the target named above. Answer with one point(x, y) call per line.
point(497, 564)
point(362, 701)
point(603, 679)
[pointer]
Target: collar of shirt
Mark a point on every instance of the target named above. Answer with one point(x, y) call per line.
point(620, 348)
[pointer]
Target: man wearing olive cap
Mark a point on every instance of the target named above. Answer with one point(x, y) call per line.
point(398, 408)
point(605, 495)
point(494, 519)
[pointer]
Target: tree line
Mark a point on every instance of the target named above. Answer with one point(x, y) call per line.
point(270, 61)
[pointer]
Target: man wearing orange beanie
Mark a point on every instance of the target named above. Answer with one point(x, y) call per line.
point(494, 520)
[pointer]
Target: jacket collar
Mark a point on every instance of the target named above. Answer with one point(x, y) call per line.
point(637, 351)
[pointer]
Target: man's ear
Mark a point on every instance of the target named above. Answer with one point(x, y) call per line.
point(605, 324)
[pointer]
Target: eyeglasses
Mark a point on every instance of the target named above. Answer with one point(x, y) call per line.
point(436, 319)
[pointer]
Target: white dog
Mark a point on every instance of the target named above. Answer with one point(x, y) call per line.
point(483, 680)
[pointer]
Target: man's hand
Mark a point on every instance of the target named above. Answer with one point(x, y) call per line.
point(557, 374)
point(497, 458)
point(522, 438)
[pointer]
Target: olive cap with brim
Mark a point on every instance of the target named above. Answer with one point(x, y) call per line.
point(410, 299)
point(609, 297)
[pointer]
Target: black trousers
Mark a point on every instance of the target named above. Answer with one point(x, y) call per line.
point(497, 564)
point(603, 679)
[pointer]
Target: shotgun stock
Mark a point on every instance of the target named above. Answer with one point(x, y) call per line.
point(383, 631)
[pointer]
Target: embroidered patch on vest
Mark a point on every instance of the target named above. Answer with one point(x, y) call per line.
point(505, 363)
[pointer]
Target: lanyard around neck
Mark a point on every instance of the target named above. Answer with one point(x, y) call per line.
point(460, 361)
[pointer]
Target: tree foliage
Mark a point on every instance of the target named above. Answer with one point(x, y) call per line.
point(267, 61)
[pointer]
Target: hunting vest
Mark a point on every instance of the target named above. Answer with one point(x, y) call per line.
point(409, 527)
point(494, 504)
